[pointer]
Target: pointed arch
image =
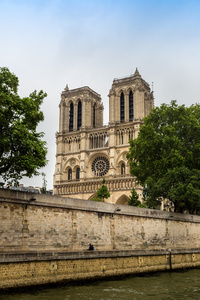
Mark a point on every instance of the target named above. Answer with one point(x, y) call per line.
point(69, 174)
point(93, 196)
point(94, 115)
point(79, 116)
point(123, 199)
point(71, 116)
point(122, 109)
point(78, 173)
point(130, 106)
point(123, 169)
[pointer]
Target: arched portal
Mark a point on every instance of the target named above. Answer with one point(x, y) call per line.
point(122, 200)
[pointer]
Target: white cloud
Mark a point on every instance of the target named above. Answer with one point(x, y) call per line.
point(49, 44)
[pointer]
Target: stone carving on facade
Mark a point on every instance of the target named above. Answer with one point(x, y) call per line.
point(66, 88)
point(99, 145)
point(72, 162)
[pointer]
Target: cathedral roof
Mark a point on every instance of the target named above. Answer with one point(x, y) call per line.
point(79, 91)
point(136, 74)
point(133, 77)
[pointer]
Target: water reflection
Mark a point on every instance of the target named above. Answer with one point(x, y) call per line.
point(160, 286)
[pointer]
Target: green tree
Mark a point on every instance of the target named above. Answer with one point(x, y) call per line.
point(96, 199)
point(134, 199)
point(102, 192)
point(22, 151)
point(165, 158)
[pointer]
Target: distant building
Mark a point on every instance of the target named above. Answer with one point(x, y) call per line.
point(22, 188)
point(87, 151)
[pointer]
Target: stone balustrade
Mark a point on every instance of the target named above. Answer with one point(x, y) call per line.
point(74, 187)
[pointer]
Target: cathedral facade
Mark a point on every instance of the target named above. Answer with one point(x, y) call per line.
point(87, 151)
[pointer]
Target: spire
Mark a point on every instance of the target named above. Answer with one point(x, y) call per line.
point(137, 74)
point(67, 88)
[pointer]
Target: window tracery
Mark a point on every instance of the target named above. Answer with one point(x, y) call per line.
point(100, 166)
point(131, 106)
point(78, 173)
point(98, 140)
point(71, 116)
point(123, 169)
point(94, 109)
point(122, 107)
point(70, 174)
point(124, 135)
point(79, 117)
point(74, 143)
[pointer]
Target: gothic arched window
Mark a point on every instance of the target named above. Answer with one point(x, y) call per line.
point(78, 173)
point(131, 106)
point(79, 117)
point(94, 108)
point(122, 107)
point(71, 117)
point(70, 174)
point(122, 169)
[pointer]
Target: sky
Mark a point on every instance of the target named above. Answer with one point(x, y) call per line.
point(50, 43)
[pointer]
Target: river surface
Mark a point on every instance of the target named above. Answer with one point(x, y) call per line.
point(160, 286)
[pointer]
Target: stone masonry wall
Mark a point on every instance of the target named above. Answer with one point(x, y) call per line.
point(53, 223)
point(27, 269)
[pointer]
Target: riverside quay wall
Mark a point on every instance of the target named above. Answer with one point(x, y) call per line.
point(44, 239)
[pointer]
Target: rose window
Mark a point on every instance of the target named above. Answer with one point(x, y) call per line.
point(100, 166)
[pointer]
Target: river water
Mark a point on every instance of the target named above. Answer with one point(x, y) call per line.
point(160, 286)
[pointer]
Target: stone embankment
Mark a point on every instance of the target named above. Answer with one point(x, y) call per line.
point(44, 239)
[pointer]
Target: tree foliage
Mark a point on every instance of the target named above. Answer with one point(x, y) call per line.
point(22, 151)
point(134, 199)
point(166, 156)
point(102, 192)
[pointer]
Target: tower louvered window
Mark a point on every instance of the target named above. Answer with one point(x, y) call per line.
point(71, 117)
point(131, 106)
point(122, 107)
point(79, 119)
point(94, 108)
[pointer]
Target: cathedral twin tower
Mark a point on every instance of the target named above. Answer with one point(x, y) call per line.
point(87, 151)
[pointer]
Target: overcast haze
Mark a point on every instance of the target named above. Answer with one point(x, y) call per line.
point(49, 44)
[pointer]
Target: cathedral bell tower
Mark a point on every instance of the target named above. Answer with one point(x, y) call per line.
point(80, 108)
point(130, 99)
point(87, 151)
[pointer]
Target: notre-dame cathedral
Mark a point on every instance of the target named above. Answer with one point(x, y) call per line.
point(87, 151)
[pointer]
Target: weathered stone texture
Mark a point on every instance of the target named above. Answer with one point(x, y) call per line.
point(45, 241)
point(46, 271)
point(78, 148)
point(56, 223)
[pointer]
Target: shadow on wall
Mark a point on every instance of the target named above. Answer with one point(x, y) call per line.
point(123, 200)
